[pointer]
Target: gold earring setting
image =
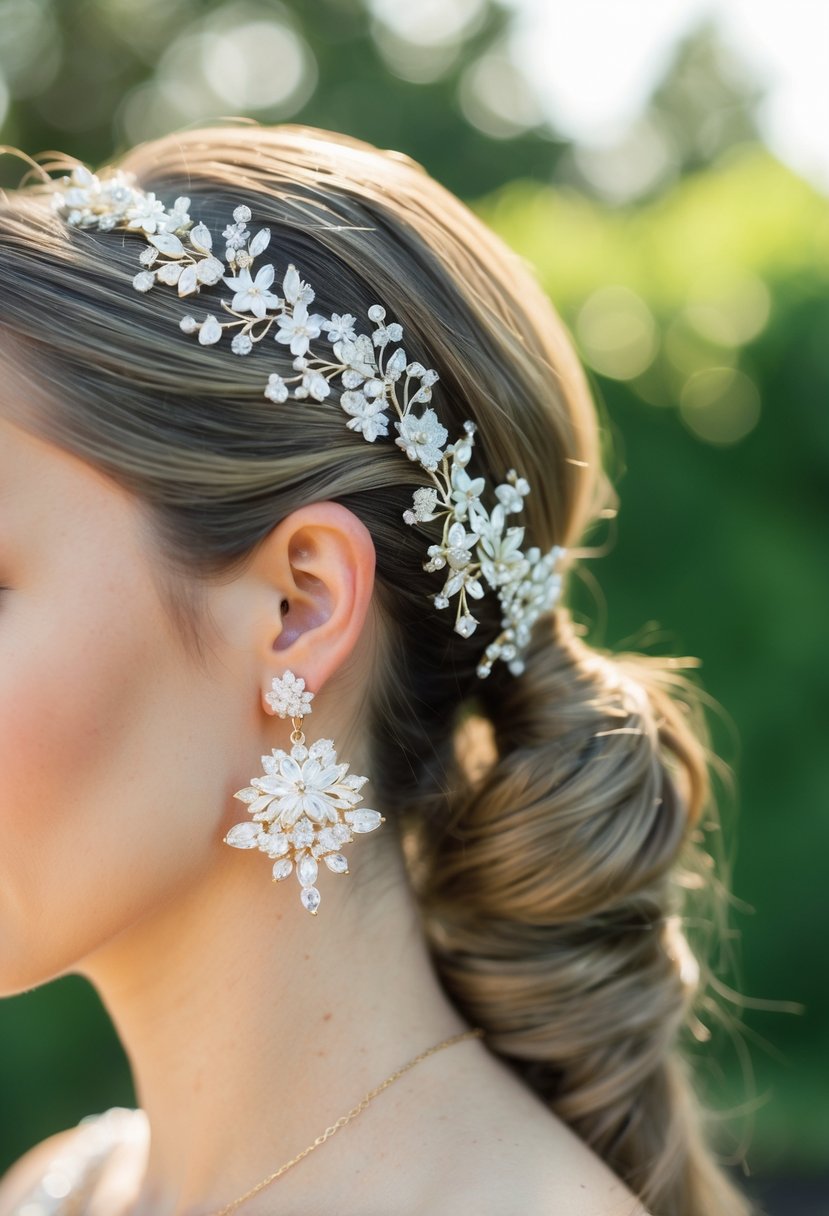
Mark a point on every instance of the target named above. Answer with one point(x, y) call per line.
point(304, 807)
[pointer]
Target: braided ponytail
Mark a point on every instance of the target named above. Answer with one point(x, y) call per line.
point(553, 901)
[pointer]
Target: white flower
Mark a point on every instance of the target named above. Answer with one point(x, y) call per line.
point(367, 416)
point(513, 492)
point(315, 385)
point(146, 213)
point(459, 542)
point(387, 333)
point(252, 295)
point(299, 329)
point(178, 216)
point(359, 357)
point(296, 291)
point(424, 500)
point(422, 438)
point(455, 549)
point(464, 490)
point(463, 579)
point(288, 697)
point(277, 389)
point(304, 808)
point(501, 558)
point(241, 344)
point(340, 327)
point(235, 236)
point(310, 787)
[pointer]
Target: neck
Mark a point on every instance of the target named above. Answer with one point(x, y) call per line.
point(251, 1026)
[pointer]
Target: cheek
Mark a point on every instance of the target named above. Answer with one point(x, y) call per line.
point(106, 801)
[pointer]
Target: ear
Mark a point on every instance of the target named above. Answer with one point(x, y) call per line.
point(321, 560)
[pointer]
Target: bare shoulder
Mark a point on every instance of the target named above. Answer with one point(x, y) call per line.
point(21, 1177)
point(533, 1170)
point(555, 1171)
point(519, 1159)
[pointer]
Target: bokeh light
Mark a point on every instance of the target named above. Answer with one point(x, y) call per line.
point(496, 97)
point(232, 60)
point(617, 332)
point(728, 307)
point(720, 404)
point(30, 46)
point(421, 42)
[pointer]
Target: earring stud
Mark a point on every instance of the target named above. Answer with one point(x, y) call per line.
point(304, 806)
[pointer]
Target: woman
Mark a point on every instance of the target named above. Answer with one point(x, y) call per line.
point(196, 546)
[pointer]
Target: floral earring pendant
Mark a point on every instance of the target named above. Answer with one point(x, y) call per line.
point(303, 806)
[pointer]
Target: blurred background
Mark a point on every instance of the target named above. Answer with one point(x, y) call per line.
point(664, 165)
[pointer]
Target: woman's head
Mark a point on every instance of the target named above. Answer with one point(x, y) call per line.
point(202, 539)
point(179, 436)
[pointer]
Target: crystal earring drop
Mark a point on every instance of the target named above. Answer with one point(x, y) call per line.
point(303, 807)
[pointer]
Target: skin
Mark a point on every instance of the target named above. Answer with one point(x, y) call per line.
point(250, 1025)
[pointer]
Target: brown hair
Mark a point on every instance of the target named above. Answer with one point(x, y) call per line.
point(553, 821)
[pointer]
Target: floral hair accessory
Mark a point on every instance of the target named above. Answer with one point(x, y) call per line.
point(476, 545)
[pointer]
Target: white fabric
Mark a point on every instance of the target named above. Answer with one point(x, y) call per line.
point(72, 1174)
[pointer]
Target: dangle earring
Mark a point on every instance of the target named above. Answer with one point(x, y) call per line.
point(303, 806)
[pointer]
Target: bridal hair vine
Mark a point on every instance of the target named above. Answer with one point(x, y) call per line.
point(476, 546)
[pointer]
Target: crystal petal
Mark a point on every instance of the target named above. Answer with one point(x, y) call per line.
point(311, 770)
point(337, 862)
point(282, 869)
point(328, 776)
point(290, 808)
point(310, 897)
point(303, 833)
point(243, 835)
point(318, 808)
point(274, 784)
point(290, 769)
point(277, 844)
point(364, 820)
point(260, 803)
point(306, 868)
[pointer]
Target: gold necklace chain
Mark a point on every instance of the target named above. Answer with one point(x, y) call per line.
point(477, 1032)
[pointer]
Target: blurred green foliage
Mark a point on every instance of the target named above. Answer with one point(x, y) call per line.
point(99, 75)
point(702, 315)
point(721, 547)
